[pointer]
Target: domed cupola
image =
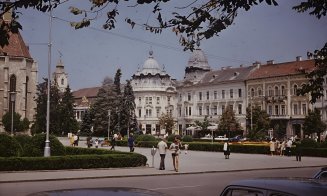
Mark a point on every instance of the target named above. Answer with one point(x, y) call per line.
point(151, 66)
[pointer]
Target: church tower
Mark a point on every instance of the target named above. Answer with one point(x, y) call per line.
point(197, 66)
point(60, 77)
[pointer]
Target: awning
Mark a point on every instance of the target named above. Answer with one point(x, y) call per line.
point(193, 128)
point(213, 127)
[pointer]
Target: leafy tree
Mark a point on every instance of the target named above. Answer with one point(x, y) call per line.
point(204, 125)
point(18, 124)
point(191, 21)
point(260, 122)
point(68, 122)
point(166, 121)
point(128, 119)
point(87, 124)
point(228, 123)
point(118, 102)
point(39, 125)
point(313, 123)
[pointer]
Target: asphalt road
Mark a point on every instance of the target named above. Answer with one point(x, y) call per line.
point(173, 185)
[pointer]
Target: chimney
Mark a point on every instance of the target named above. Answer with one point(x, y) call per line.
point(257, 64)
point(270, 62)
point(298, 58)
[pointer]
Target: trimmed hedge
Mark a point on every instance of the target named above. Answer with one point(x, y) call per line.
point(72, 162)
point(9, 146)
point(35, 148)
point(24, 141)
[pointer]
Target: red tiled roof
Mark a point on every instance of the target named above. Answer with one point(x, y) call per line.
point(16, 47)
point(282, 69)
point(87, 92)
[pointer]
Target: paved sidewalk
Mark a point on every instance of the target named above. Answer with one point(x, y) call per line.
point(190, 163)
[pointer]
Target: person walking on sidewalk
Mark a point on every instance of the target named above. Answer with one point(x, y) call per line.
point(272, 145)
point(298, 149)
point(162, 146)
point(226, 150)
point(113, 141)
point(175, 147)
point(131, 142)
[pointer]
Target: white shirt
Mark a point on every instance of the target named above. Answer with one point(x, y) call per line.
point(162, 146)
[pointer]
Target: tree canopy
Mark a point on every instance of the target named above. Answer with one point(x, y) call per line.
point(313, 124)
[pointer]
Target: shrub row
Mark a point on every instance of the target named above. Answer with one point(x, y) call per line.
point(236, 148)
point(72, 162)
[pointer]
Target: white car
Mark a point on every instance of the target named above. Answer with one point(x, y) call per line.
point(221, 138)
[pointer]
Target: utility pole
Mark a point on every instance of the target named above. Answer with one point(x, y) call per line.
point(108, 124)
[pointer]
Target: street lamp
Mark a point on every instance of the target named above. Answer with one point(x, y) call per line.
point(47, 141)
point(108, 124)
point(12, 99)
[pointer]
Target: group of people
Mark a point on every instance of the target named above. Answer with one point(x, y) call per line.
point(284, 147)
point(74, 139)
point(175, 149)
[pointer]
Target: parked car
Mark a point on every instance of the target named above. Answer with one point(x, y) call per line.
point(206, 137)
point(322, 174)
point(277, 187)
point(237, 138)
point(221, 138)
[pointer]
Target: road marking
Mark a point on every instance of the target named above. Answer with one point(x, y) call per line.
point(175, 187)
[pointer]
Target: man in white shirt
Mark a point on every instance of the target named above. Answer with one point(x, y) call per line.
point(162, 146)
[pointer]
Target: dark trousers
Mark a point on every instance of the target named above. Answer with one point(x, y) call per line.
point(298, 155)
point(288, 151)
point(162, 161)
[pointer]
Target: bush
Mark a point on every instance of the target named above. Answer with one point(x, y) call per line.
point(310, 143)
point(24, 141)
point(145, 138)
point(171, 137)
point(9, 146)
point(37, 144)
point(187, 138)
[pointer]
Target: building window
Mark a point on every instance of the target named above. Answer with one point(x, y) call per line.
point(208, 95)
point(148, 112)
point(140, 100)
point(62, 81)
point(295, 109)
point(150, 100)
point(158, 100)
point(283, 90)
point(239, 92)
point(214, 110)
point(26, 95)
point(270, 91)
point(180, 96)
point(231, 108)
point(190, 111)
point(12, 89)
point(283, 110)
point(207, 110)
point(252, 92)
point(276, 91)
point(146, 100)
point(180, 111)
point(260, 92)
point(223, 94)
point(304, 109)
point(276, 110)
point(200, 110)
point(140, 113)
point(270, 110)
point(222, 109)
point(295, 89)
point(239, 108)
point(200, 96)
point(168, 100)
point(215, 94)
point(189, 96)
point(158, 112)
point(231, 94)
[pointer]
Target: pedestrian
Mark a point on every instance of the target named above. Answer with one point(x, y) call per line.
point(131, 142)
point(96, 143)
point(272, 145)
point(186, 148)
point(113, 141)
point(89, 141)
point(175, 148)
point(162, 147)
point(226, 150)
point(71, 139)
point(288, 147)
point(298, 149)
point(282, 148)
point(75, 140)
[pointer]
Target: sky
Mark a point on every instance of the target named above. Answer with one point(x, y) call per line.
point(90, 54)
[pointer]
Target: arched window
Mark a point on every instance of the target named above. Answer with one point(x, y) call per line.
point(283, 90)
point(276, 91)
point(259, 92)
point(295, 89)
point(252, 92)
point(62, 81)
point(12, 90)
point(26, 93)
point(270, 91)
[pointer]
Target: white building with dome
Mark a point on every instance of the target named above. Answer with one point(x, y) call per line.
point(155, 94)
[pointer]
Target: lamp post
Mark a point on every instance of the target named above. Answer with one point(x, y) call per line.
point(251, 114)
point(108, 124)
point(12, 99)
point(47, 141)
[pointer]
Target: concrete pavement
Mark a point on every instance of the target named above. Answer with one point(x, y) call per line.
point(190, 163)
